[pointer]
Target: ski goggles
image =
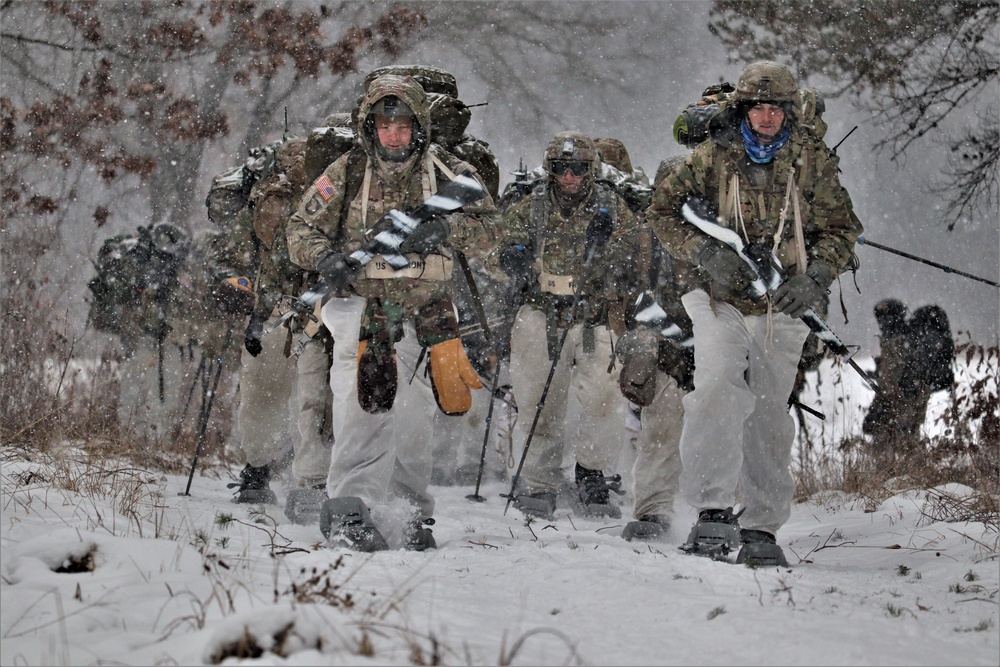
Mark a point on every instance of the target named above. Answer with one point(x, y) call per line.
point(578, 168)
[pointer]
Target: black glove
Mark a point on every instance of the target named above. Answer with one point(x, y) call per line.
point(799, 293)
point(253, 334)
point(726, 268)
point(516, 260)
point(234, 296)
point(426, 237)
point(338, 269)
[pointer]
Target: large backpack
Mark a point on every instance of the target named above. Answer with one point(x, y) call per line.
point(932, 349)
point(136, 275)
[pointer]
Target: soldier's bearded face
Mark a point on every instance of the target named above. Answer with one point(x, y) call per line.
point(766, 120)
point(395, 132)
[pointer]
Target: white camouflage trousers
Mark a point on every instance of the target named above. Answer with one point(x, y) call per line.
point(378, 456)
point(583, 409)
point(657, 469)
point(737, 439)
point(283, 403)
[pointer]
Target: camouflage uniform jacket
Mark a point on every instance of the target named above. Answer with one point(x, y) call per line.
point(830, 227)
point(558, 243)
point(324, 222)
point(255, 244)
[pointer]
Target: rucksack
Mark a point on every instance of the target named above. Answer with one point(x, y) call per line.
point(136, 275)
point(932, 349)
point(694, 123)
point(227, 196)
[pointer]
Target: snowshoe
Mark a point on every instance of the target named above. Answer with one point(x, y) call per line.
point(541, 504)
point(254, 487)
point(594, 492)
point(647, 528)
point(715, 534)
point(346, 522)
point(420, 537)
point(760, 549)
point(303, 506)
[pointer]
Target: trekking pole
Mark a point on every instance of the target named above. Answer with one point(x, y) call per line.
point(206, 406)
point(187, 401)
point(947, 269)
point(598, 232)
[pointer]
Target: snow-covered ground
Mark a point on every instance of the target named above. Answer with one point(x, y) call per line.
point(912, 579)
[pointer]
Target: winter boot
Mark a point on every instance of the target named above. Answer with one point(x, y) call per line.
point(760, 549)
point(647, 528)
point(254, 486)
point(346, 522)
point(304, 505)
point(715, 533)
point(593, 492)
point(420, 537)
point(541, 504)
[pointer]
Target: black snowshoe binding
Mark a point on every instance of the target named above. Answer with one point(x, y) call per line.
point(254, 487)
point(760, 549)
point(715, 534)
point(346, 522)
point(541, 504)
point(594, 492)
point(303, 506)
point(420, 537)
point(647, 528)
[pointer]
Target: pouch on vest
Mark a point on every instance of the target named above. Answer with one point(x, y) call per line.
point(381, 328)
point(452, 375)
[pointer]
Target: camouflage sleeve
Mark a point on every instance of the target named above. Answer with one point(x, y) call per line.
point(313, 228)
point(692, 178)
point(623, 277)
point(233, 251)
point(834, 228)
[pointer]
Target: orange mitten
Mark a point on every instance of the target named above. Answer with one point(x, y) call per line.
point(452, 377)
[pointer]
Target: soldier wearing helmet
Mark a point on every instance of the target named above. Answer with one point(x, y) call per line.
point(546, 245)
point(385, 320)
point(776, 185)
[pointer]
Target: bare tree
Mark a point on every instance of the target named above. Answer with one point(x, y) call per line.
point(920, 66)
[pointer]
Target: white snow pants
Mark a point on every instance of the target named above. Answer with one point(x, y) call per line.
point(583, 408)
point(657, 469)
point(378, 456)
point(285, 402)
point(737, 438)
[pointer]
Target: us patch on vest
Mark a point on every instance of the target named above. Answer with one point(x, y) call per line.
point(324, 187)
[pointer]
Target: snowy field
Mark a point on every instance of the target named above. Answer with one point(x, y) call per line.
point(107, 564)
point(892, 586)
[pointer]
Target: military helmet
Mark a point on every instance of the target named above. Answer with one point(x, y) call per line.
point(613, 152)
point(572, 147)
point(766, 81)
point(391, 106)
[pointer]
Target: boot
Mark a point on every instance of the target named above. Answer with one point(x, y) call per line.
point(303, 506)
point(760, 549)
point(541, 504)
point(715, 533)
point(346, 522)
point(647, 528)
point(254, 486)
point(593, 491)
point(420, 537)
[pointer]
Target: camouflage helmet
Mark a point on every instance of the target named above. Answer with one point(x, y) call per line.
point(392, 107)
point(766, 81)
point(613, 152)
point(449, 118)
point(571, 147)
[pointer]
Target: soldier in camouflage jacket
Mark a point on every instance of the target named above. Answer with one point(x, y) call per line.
point(382, 426)
point(775, 183)
point(545, 245)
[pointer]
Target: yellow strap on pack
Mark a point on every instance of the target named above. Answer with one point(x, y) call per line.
point(452, 377)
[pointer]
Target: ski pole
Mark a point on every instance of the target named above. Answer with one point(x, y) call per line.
point(947, 269)
point(206, 406)
point(187, 401)
point(598, 233)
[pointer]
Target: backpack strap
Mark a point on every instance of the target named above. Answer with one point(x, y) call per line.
point(357, 169)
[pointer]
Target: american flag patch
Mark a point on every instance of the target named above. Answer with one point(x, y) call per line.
point(324, 187)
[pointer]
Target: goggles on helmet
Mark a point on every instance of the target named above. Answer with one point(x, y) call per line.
point(579, 168)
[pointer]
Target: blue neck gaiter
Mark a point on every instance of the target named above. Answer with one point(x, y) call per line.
point(759, 152)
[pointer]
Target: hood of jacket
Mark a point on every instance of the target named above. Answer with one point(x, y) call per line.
point(412, 94)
